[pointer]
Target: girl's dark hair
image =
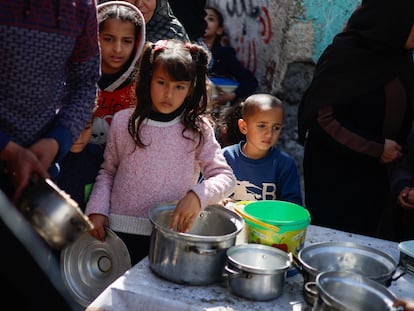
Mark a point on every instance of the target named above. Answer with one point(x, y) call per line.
point(223, 39)
point(123, 12)
point(228, 124)
point(219, 15)
point(183, 62)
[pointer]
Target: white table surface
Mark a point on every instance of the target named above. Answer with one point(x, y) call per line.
point(140, 289)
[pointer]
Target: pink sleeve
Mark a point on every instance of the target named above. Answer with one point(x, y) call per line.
point(100, 198)
point(218, 178)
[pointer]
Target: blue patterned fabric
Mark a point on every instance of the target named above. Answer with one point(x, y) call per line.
point(50, 65)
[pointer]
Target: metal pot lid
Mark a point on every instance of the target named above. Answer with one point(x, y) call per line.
point(347, 256)
point(88, 265)
point(258, 258)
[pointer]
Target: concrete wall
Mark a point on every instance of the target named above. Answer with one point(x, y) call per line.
point(280, 41)
point(271, 34)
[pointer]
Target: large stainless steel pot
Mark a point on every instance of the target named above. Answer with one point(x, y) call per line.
point(345, 256)
point(347, 291)
point(196, 257)
point(256, 271)
point(52, 213)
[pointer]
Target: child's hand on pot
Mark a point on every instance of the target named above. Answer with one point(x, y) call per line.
point(227, 202)
point(185, 213)
point(99, 222)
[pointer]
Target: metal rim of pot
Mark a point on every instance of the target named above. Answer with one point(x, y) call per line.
point(170, 206)
point(310, 272)
point(267, 259)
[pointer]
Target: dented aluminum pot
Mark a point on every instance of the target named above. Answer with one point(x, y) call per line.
point(198, 256)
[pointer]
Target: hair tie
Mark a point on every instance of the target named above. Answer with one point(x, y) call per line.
point(191, 47)
point(194, 51)
point(157, 46)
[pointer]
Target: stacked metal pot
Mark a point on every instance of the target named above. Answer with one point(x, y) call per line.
point(337, 275)
point(208, 254)
point(345, 276)
point(349, 291)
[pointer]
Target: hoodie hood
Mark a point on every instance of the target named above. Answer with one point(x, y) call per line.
point(139, 44)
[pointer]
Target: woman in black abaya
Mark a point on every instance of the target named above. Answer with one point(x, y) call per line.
point(356, 115)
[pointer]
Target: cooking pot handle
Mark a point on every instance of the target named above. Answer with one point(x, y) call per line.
point(195, 249)
point(310, 292)
point(295, 261)
point(233, 273)
point(402, 273)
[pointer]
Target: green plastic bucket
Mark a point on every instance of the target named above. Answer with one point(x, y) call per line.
point(291, 219)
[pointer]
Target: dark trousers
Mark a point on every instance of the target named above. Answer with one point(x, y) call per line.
point(138, 245)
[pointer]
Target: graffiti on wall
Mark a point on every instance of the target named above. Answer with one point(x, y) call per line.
point(255, 27)
point(328, 18)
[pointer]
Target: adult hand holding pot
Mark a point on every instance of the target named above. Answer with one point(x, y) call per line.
point(185, 213)
point(406, 198)
point(24, 163)
point(99, 222)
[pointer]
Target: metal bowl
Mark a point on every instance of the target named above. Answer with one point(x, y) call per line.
point(346, 256)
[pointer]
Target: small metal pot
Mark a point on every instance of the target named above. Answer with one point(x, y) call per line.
point(256, 271)
point(53, 214)
point(196, 257)
point(347, 291)
point(345, 256)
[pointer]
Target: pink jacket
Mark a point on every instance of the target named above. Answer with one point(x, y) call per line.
point(133, 179)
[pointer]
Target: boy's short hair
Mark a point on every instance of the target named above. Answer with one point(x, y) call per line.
point(257, 102)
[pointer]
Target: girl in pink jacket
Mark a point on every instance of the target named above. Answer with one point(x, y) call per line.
point(156, 152)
